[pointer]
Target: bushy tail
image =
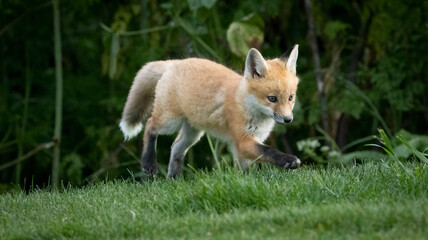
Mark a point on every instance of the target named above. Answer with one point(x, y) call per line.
point(140, 99)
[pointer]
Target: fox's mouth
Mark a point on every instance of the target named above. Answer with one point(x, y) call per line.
point(282, 119)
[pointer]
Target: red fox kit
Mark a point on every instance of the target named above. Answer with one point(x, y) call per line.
point(197, 95)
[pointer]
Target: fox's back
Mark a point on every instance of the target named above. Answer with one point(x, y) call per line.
point(203, 74)
point(197, 89)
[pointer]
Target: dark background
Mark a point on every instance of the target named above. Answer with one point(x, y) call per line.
point(373, 63)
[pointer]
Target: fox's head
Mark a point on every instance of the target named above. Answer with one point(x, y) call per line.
point(271, 85)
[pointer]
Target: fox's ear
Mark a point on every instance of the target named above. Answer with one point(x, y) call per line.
point(255, 65)
point(290, 57)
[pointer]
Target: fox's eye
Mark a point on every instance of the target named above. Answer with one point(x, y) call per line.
point(290, 98)
point(272, 99)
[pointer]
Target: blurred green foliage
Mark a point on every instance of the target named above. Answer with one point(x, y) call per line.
point(379, 46)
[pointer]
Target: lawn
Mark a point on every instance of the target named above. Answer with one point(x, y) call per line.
point(370, 201)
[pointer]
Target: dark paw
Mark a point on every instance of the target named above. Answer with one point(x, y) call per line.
point(296, 163)
point(172, 175)
point(290, 161)
point(278, 158)
point(150, 170)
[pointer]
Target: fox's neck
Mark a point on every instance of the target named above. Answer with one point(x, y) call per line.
point(248, 104)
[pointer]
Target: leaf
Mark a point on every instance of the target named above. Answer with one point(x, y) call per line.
point(71, 167)
point(385, 140)
point(135, 8)
point(402, 152)
point(113, 55)
point(314, 112)
point(196, 4)
point(254, 19)
point(362, 155)
point(336, 29)
point(122, 17)
point(417, 153)
point(346, 100)
point(328, 138)
point(243, 36)
point(166, 6)
point(358, 141)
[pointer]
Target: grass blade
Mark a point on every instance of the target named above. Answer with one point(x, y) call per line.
point(213, 151)
point(417, 153)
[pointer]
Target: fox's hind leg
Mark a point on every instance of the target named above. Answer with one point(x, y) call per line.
point(157, 124)
point(148, 159)
point(187, 137)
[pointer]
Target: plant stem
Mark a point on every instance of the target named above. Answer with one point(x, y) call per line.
point(59, 91)
point(193, 34)
point(213, 151)
point(21, 130)
point(137, 32)
point(40, 147)
point(317, 65)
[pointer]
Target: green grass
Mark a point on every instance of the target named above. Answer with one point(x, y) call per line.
point(374, 200)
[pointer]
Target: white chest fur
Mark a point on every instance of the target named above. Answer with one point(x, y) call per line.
point(260, 128)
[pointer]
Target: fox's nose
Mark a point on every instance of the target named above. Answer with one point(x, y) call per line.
point(288, 119)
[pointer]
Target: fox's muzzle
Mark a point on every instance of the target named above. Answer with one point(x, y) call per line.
point(282, 119)
point(288, 119)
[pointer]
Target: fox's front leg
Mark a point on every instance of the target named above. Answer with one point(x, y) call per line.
point(251, 149)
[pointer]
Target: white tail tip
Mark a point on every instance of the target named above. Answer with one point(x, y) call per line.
point(130, 131)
